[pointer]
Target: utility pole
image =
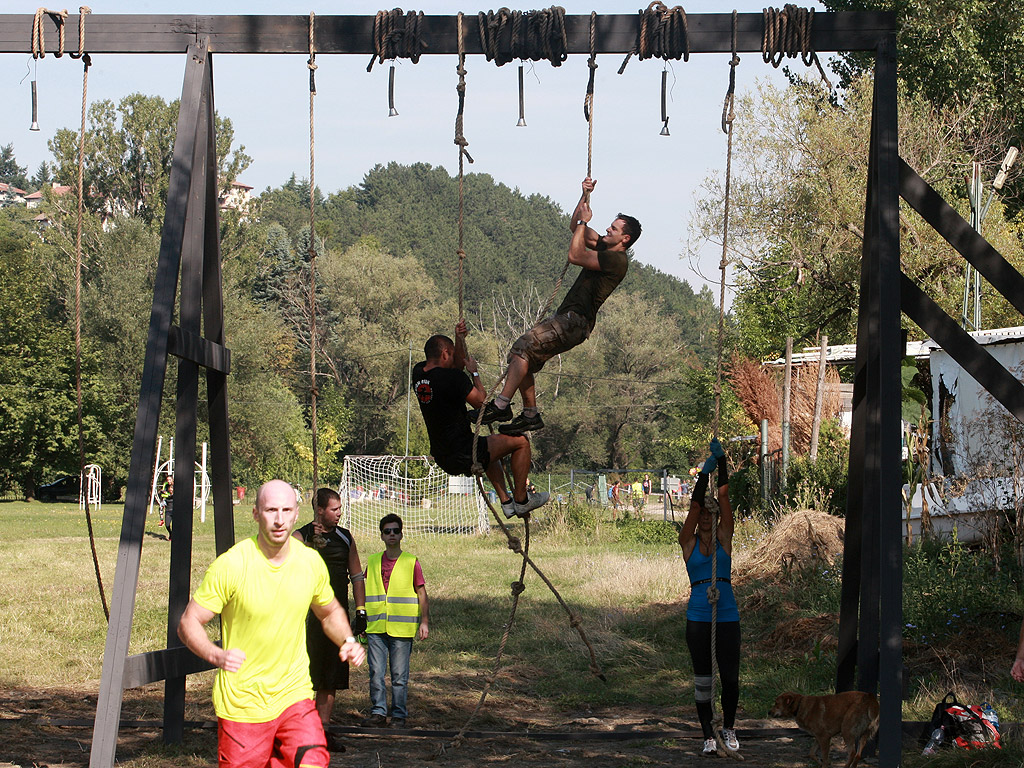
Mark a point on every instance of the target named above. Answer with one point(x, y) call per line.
point(972, 279)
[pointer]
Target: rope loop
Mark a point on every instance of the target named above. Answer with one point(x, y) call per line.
point(83, 11)
point(39, 36)
point(518, 588)
point(311, 62)
point(787, 33)
point(663, 33)
point(397, 34)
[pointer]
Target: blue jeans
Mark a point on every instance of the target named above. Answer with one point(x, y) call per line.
point(379, 650)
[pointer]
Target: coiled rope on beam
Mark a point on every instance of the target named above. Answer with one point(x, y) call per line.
point(535, 35)
point(787, 34)
point(397, 35)
point(662, 34)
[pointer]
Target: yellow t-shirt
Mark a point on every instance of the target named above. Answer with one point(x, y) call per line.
point(263, 613)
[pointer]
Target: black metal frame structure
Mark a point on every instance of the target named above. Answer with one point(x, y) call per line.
point(870, 646)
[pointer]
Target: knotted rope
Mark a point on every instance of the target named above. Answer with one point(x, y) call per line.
point(518, 587)
point(728, 114)
point(397, 36)
point(787, 33)
point(313, 340)
point(461, 142)
point(534, 35)
point(663, 34)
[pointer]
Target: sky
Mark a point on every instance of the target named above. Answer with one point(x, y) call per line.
point(639, 172)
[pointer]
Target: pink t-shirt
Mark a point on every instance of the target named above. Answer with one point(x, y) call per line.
point(387, 565)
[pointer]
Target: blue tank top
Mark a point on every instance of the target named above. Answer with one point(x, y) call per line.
point(698, 566)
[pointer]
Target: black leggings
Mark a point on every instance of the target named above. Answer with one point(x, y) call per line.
point(698, 640)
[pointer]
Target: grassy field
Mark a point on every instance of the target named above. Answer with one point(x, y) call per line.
point(629, 595)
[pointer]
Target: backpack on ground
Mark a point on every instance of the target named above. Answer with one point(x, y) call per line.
point(962, 725)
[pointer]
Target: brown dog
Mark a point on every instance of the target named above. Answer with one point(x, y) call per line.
point(853, 714)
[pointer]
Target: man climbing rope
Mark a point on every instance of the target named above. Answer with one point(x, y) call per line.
point(443, 390)
point(604, 261)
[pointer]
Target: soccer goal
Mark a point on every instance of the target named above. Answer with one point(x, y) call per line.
point(429, 500)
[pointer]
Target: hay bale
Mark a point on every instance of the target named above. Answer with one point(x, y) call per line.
point(799, 539)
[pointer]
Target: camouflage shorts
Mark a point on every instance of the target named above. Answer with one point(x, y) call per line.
point(550, 337)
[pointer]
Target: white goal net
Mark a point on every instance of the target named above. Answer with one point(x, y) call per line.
point(430, 501)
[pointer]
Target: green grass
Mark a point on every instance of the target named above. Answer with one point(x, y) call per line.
point(625, 582)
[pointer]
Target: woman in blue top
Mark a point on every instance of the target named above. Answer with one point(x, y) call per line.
point(699, 540)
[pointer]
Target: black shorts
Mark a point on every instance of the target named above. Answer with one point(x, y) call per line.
point(460, 463)
point(550, 337)
point(326, 671)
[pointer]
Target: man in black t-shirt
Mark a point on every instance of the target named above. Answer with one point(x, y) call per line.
point(443, 389)
point(604, 261)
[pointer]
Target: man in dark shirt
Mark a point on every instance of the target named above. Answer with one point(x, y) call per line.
point(337, 547)
point(604, 262)
point(443, 389)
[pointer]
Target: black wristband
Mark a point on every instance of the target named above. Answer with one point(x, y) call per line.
point(723, 472)
point(700, 488)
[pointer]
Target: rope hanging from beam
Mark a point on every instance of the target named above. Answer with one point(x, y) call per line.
point(397, 35)
point(535, 35)
point(83, 11)
point(662, 34)
point(313, 339)
point(787, 34)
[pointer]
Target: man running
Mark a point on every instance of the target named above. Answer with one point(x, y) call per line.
point(604, 261)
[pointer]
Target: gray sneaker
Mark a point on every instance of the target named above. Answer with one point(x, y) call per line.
point(533, 501)
point(509, 508)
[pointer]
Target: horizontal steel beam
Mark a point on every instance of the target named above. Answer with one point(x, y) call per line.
point(188, 346)
point(151, 667)
point(616, 33)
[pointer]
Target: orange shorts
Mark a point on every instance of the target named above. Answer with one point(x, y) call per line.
point(294, 739)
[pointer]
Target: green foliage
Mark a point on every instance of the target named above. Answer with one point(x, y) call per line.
point(10, 172)
point(822, 485)
point(949, 587)
point(636, 531)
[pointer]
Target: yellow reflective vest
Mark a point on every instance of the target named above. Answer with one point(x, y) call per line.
point(396, 610)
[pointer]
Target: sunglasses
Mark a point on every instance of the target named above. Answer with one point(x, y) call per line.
point(386, 531)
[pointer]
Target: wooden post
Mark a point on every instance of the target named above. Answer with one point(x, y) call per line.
point(787, 389)
point(819, 394)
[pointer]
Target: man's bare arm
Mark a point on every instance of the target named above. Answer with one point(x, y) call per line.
point(579, 253)
point(591, 236)
point(193, 635)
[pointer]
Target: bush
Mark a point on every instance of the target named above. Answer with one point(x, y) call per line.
point(572, 515)
point(822, 485)
point(646, 531)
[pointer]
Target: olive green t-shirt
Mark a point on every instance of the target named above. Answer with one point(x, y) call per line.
point(593, 286)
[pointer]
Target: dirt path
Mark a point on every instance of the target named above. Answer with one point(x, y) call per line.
point(53, 727)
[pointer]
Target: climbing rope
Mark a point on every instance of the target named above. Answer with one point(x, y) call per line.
point(313, 340)
point(461, 142)
point(536, 35)
point(728, 114)
point(83, 11)
point(397, 35)
point(588, 115)
point(518, 587)
point(663, 34)
point(787, 33)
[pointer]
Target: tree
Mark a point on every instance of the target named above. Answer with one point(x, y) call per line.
point(128, 152)
point(10, 172)
point(43, 176)
point(38, 414)
point(798, 194)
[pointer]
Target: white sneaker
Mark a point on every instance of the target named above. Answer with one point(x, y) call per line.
point(533, 501)
point(509, 508)
point(710, 748)
point(729, 735)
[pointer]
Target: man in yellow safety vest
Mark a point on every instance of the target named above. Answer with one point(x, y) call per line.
point(396, 612)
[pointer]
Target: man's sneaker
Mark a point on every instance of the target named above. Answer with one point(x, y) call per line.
point(731, 742)
point(521, 424)
point(710, 748)
point(333, 744)
point(533, 501)
point(509, 508)
point(398, 722)
point(493, 413)
point(375, 721)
